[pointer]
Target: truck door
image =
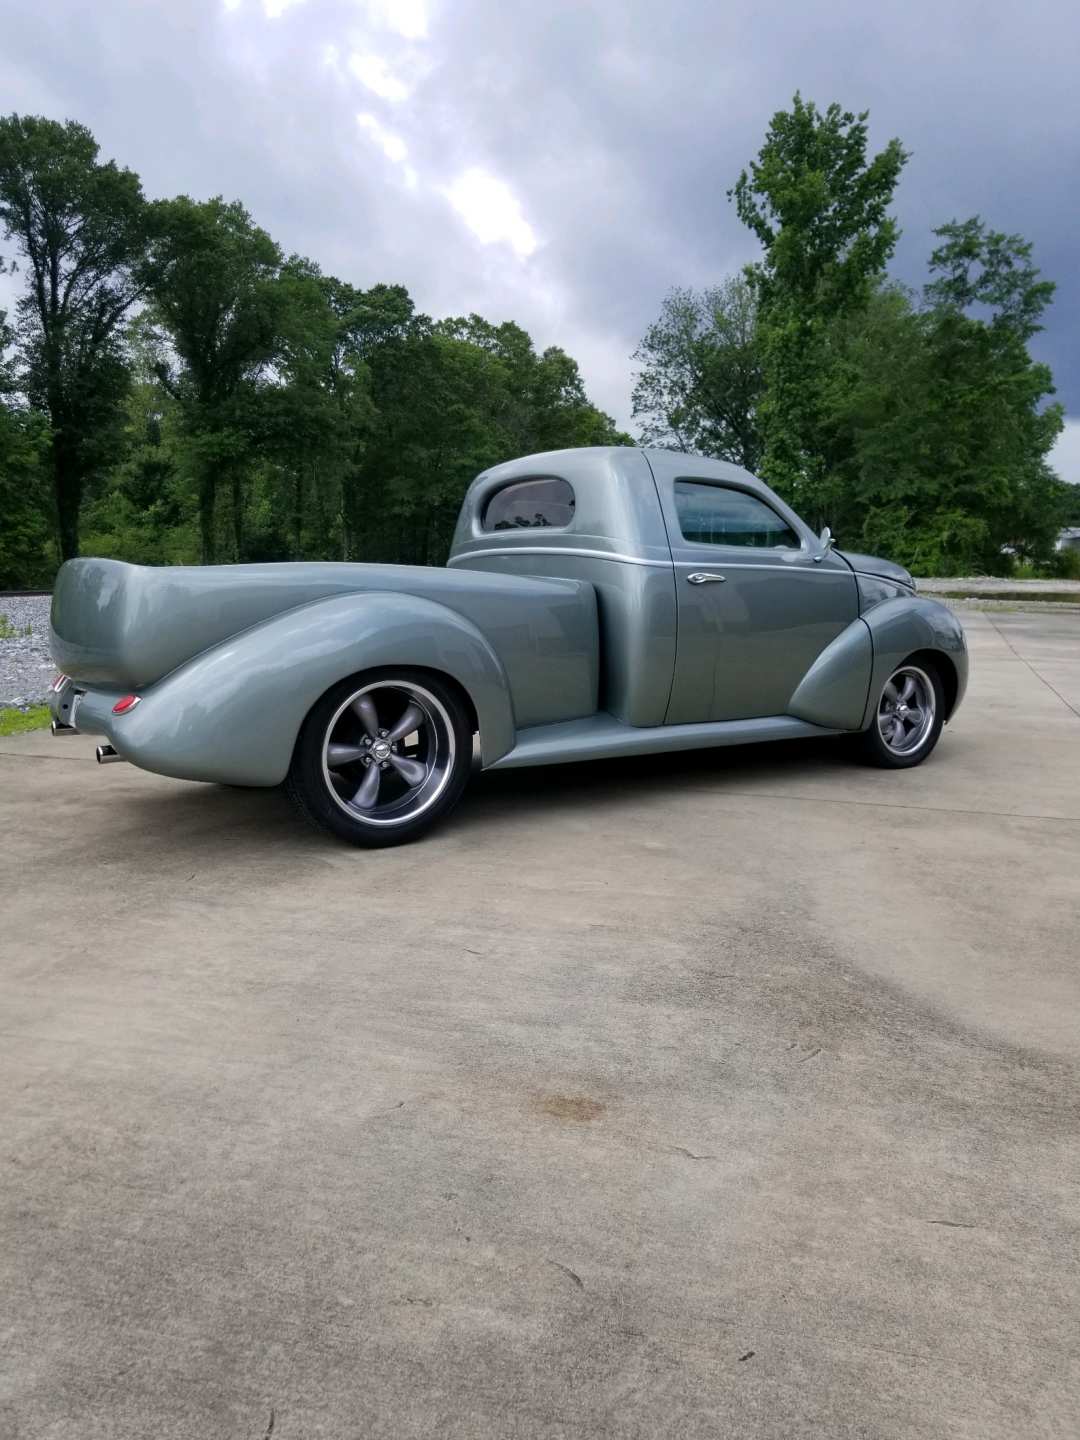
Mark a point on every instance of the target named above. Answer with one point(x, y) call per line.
point(757, 603)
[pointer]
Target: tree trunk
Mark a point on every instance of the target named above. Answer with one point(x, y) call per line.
point(207, 496)
point(238, 513)
point(298, 511)
point(67, 488)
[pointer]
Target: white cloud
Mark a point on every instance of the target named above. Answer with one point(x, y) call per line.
point(272, 9)
point(491, 211)
point(392, 146)
point(408, 18)
point(374, 72)
point(1065, 456)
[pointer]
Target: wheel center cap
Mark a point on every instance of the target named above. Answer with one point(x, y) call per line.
point(381, 750)
point(901, 709)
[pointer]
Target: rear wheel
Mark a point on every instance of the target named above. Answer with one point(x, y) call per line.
point(908, 718)
point(382, 757)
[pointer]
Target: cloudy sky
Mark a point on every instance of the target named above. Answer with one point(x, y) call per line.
point(564, 163)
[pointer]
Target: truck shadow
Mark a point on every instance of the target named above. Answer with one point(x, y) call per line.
point(198, 815)
point(539, 790)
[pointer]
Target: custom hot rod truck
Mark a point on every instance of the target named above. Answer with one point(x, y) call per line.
point(596, 602)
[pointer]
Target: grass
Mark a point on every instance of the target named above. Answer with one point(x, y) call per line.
point(8, 631)
point(15, 722)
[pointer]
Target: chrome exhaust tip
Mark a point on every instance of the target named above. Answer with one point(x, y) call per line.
point(59, 728)
point(106, 755)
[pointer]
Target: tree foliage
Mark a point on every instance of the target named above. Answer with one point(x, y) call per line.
point(24, 495)
point(79, 228)
point(184, 391)
point(914, 425)
point(819, 207)
point(174, 387)
point(700, 383)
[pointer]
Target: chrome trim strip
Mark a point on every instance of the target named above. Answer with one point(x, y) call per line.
point(789, 569)
point(559, 550)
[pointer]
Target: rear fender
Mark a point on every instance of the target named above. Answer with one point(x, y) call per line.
point(233, 713)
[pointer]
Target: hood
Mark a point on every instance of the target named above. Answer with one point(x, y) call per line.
point(874, 565)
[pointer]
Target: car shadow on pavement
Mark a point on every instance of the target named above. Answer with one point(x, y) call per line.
point(536, 791)
point(260, 819)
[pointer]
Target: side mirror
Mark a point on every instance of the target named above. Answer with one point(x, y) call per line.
point(826, 541)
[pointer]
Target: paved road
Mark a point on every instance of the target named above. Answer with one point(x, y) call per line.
point(729, 1095)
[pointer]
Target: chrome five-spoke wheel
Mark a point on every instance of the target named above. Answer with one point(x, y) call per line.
point(906, 710)
point(381, 757)
point(388, 752)
point(908, 717)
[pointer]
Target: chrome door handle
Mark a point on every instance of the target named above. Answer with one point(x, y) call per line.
point(702, 577)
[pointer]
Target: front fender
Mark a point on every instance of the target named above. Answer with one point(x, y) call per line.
point(898, 628)
point(834, 690)
point(232, 714)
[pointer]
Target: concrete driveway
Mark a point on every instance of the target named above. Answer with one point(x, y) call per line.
point(731, 1095)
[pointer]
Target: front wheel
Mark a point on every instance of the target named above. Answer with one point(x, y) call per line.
point(907, 720)
point(382, 757)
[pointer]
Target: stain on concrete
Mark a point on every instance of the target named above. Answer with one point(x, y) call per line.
point(579, 1108)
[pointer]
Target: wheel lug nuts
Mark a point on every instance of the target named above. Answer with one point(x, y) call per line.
point(385, 765)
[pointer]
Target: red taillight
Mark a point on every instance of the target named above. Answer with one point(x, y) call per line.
point(124, 704)
point(59, 683)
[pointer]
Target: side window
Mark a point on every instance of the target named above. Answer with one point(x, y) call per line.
point(715, 515)
point(530, 505)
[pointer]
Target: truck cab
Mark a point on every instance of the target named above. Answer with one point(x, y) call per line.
point(713, 597)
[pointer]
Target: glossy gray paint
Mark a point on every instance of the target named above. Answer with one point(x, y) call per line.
point(617, 541)
point(899, 628)
point(875, 565)
point(128, 625)
point(834, 691)
point(233, 713)
point(570, 643)
point(601, 737)
point(746, 641)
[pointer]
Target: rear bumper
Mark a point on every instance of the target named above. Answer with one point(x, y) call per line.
point(169, 732)
point(75, 708)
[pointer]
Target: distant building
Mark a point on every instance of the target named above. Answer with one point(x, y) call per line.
point(1069, 539)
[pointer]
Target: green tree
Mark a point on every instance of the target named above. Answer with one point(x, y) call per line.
point(819, 206)
point(145, 511)
point(24, 495)
point(79, 228)
point(213, 279)
point(942, 413)
point(700, 382)
point(542, 404)
point(317, 411)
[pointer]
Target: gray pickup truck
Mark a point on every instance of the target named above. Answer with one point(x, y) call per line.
point(596, 603)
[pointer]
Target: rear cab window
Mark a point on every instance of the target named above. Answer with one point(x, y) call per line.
point(720, 515)
point(540, 504)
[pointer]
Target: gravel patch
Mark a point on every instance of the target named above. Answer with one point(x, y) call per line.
point(987, 585)
point(1021, 607)
point(26, 667)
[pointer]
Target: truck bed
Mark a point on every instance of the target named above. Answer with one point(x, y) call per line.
point(125, 626)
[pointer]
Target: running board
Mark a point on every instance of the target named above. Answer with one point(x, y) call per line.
point(602, 737)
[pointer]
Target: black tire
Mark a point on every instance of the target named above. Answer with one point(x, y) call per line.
point(350, 777)
point(912, 742)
